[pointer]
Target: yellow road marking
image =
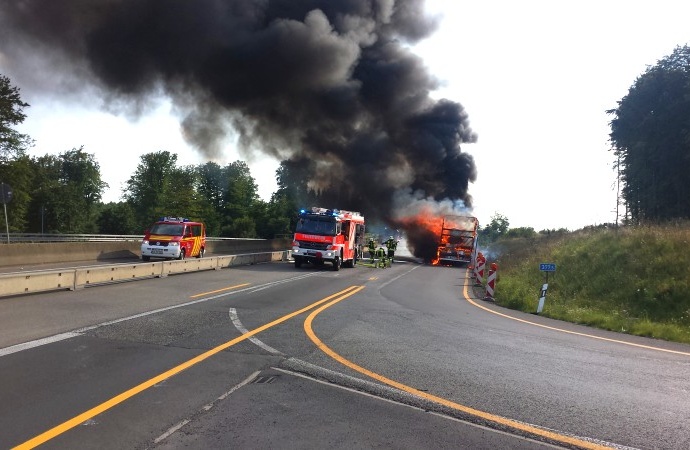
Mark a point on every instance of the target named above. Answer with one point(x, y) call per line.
point(577, 333)
point(465, 409)
point(219, 290)
point(91, 413)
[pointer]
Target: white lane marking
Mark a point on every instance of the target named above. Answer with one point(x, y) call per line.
point(37, 343)
point(238, 324)
point(170, 431)
point(274, 283)
point(78, 332)
point(207, 407)
point(399, 276)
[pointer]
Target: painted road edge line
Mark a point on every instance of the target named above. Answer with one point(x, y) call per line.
point(470, 300)
point(585, 443)
point(114, 401)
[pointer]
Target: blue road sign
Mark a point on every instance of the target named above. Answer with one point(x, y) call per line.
point(547, 267)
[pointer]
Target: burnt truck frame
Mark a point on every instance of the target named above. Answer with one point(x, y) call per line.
point(458, 240)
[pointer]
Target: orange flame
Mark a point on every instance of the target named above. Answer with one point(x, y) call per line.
point(424, 220)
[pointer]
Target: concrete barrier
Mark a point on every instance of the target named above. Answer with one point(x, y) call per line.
point(117, 272)
point(19, 254)
point(28, 283)
point(57, 252)
point(189, 265)
point(78, 278)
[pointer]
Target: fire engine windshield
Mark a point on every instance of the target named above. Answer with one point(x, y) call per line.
point(168, 229)
point(317, 225)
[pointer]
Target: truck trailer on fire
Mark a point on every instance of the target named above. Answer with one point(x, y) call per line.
point(458, 240)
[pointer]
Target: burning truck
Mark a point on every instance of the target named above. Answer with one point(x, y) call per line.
point(458, 240)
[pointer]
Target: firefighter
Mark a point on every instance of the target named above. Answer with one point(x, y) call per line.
point(391, 245)
point(381, 255)
point(372, 249)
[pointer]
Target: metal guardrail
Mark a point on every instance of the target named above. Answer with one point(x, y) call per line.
point(42, 238)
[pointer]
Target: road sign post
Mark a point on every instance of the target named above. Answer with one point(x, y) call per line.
point(546, 268)
point(542, 297)
point(5, 197)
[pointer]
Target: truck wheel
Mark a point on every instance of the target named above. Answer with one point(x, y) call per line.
point(336, 264)
point(201, 253)
point(182, 255)
point(146, 258)
point(298, 262)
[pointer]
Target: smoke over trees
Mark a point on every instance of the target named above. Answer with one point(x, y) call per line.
point(329, 86)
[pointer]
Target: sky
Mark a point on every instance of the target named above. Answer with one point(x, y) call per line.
point(535, 77)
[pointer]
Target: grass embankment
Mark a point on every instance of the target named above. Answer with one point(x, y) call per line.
point(630, 280)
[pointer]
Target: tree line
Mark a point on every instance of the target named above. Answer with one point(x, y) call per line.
point(650, 138)
point(62, 194)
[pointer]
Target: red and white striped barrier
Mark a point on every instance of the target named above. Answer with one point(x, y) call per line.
point(479, 270)
point(491, 282)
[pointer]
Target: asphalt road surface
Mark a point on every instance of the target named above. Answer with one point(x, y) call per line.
point(270, 356)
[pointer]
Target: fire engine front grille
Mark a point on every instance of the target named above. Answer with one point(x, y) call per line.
point(159, 243)
point(313, 245)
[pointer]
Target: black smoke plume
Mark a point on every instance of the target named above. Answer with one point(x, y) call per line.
point(331, 84)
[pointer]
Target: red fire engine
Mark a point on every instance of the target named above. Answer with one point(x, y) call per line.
point(174, 238)
point(328, 235)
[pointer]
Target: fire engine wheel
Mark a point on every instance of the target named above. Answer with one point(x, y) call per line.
point(298, 263)
point(146, 258)
point(182, 255)
point(336, 263)
point(201, 253)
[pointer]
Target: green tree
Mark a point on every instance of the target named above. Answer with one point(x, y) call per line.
point(181, 194)
point(147, 189)
point(241, 201)
point(45, 195)
point(81, 189)
point(241, 227)
point(66, 191)
point(242, 190)
point(14, 164)
point(496, 229)
point(117, 218)
point(213, 183)
point(650, 137)
point(19, 174)
point(292, 178)
point(280, 218)
point(12, 143)
point(292, 195)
